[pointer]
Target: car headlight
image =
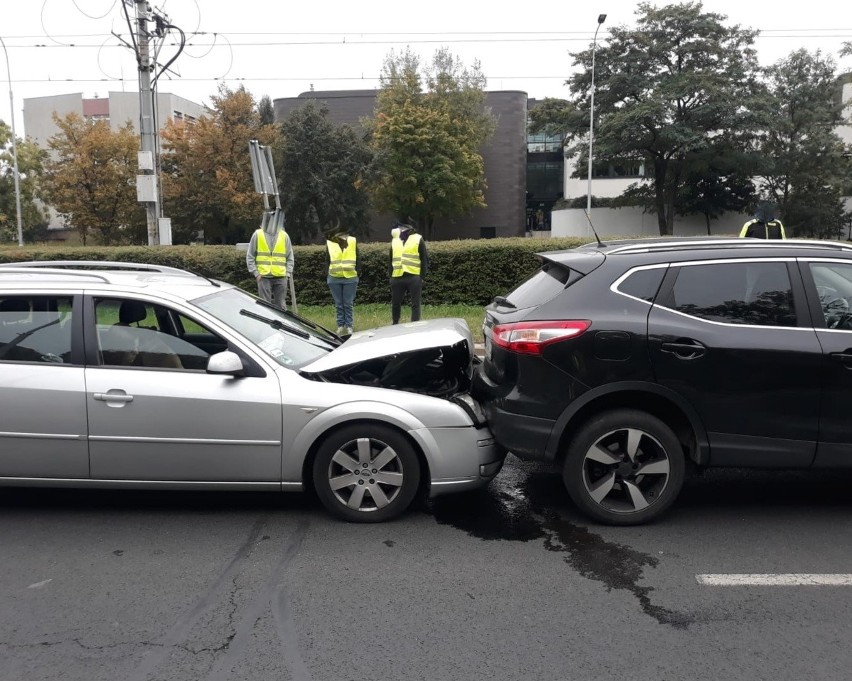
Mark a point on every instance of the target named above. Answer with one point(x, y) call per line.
point(472, 408)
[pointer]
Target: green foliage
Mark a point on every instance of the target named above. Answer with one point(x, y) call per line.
point(464, 272)
point(266, 111)
point(89, 180)
point(320, 169)
point(30, 169)
point(671, 89)
point(807, 166)
point(206, 175)
point(426, 142)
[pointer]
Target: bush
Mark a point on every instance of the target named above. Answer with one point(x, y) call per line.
point(464, 272)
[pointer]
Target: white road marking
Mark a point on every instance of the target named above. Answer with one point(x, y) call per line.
point(789, 579)
point(38, 585)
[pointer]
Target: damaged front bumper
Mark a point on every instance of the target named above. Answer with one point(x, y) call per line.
point(451, 466)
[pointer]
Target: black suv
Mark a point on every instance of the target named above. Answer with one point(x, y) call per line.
point(619, 361)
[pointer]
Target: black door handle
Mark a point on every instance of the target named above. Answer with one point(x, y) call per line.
point(684, 349)
point(845, 358)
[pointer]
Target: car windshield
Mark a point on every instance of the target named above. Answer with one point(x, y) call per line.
point(285, 339)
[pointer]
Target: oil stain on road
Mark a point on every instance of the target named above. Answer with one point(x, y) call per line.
point(531, 505)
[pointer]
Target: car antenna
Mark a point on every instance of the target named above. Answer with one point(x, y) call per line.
point(589, 218)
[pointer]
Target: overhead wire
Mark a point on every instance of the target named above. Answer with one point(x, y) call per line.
point(89, 16)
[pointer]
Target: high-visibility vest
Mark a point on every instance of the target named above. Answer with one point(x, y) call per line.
point(405, 257)
point(271, 262)
point(342, 261)
point(772, 224)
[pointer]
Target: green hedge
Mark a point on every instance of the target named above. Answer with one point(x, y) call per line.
point(465, 272)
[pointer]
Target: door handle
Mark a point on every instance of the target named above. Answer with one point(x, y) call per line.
point(684, 349)
point(113, 397)
point(845, 358)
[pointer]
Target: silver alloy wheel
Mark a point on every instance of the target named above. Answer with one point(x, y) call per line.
point(365, 474)
point(626, 470)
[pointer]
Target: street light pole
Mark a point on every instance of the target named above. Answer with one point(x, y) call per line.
point(14, 148)
point(601, 19)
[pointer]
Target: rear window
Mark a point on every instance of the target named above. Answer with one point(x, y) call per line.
point(543, 286)
point(643, 284)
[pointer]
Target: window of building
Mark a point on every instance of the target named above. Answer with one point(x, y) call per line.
point(542, 143)
point(615, 169)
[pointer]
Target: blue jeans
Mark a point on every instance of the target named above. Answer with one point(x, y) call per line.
point(343, 291)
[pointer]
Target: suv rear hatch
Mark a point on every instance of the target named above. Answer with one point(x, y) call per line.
point(559, 270)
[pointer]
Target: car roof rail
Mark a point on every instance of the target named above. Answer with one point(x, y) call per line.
point(96, 264)
point(736, 242)
point(8, 268)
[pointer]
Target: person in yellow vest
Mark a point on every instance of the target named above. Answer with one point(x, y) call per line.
point(764, 225)
point(409, 263)
point(344, 270)
point(269, 259)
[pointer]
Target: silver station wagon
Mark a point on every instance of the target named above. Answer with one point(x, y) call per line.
point(140, 376)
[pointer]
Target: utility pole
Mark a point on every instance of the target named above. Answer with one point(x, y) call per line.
point(146, 183)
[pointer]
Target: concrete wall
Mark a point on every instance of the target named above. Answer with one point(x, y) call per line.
point(38, 115)
point(123, 107)
point(632, 222)
point(504, 158)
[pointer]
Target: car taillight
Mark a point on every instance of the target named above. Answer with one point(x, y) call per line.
point(530, 338)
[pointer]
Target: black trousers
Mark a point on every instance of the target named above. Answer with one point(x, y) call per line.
point(399, 285)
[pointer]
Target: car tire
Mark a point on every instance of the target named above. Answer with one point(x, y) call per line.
point(371, 493)
point(624, 467)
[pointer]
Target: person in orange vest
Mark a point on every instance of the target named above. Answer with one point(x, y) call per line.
point(344, 270)
point(270, 261)
point(409, 263)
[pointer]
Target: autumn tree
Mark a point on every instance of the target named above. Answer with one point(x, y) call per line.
point(807, 166)
point(426, 135)
point(320, 168)
point(89, 180)
point(207, 178)
point(31, 159)
point(677, 85)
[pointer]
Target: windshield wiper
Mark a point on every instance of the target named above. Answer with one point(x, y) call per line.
point(299, 318)
point(275, 324)
point(505, 302)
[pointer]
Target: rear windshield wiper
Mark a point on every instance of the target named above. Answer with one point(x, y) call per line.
point(505, 302)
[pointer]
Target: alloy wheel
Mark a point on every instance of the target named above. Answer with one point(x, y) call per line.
point(365, 474)
point(626, 470)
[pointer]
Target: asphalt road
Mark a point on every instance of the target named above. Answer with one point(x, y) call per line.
point(509, 583)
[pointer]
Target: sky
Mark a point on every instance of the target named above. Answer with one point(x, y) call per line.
point(282, 48)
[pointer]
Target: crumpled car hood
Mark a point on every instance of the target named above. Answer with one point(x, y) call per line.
point(431, 357)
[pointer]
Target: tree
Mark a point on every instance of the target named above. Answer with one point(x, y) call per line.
point(668, 90)
point(266, 111)
point(31, 159)
point(807, 165)
point(426, 141)
point(89, 180)
point(320, 174)
point(207, 176)
point(717, 183)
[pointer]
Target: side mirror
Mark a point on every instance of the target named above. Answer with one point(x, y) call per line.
point(225, 363)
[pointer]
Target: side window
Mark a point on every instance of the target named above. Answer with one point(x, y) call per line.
point(132, 333)
point(643, 284)
point(834, 286)
point(35, 329)
point(751, 293)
